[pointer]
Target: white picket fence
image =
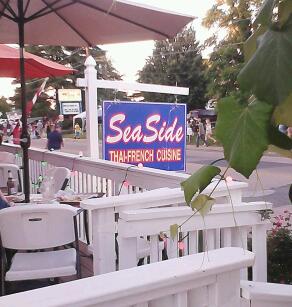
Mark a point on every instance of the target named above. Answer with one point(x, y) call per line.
point(151, 213)
point(224, 226)
point(183, 282)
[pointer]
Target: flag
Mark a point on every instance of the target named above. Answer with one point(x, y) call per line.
point(30, 104)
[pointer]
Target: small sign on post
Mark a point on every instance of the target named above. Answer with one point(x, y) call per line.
point(70, 101)
point(148, 134)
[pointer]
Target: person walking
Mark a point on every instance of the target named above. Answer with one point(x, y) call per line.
point(16, 133)
point(55, 139)
point(209, 133)
point(77, 131)
point(39, 128)
point(201, 133)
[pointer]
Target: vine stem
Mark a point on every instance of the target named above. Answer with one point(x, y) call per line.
point(216, 185)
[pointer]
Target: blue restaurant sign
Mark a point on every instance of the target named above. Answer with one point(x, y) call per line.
point(151, 134)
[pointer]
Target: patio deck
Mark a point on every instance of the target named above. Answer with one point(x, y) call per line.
point(149, 204)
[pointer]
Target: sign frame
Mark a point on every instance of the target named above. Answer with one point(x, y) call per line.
point(169, 149)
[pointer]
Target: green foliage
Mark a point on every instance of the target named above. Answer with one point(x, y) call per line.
point(265, 14)
point(268, 74)
point(178, 62)
point(4, 106)
point(283, 113)
point(279, 139)
point(199, 181)
point(250, 45)
point(203, 204)
point(74, 57)
point(246, 130)
point(279, 250)
point(285, 11)
point(223, 67)
point(243, 131)
point(227, 58)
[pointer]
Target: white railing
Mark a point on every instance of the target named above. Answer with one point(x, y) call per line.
point(224, 226)
point(105, 210)
point(95, 175)
point(259, 294)
point(184, 282)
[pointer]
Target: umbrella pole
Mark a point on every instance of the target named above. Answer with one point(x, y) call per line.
point(25, 142)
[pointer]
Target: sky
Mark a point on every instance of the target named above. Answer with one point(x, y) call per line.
point(128, 58)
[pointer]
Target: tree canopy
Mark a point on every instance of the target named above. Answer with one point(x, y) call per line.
point(178, 62)
point(75, 57)
point(247, 129)
point(234, 18)
point(4, 106)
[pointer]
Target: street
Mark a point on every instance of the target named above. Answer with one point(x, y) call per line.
point(274, 172)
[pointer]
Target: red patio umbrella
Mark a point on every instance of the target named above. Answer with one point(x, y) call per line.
point(79, 23)
point(35, 66)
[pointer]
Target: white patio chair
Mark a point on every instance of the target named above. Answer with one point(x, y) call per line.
point(55, 179)
point(39, 227)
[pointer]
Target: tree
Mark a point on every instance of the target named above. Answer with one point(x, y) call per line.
point(4, 106)
point(75, 57)
point(176, 62)
point(225, 62)
point(247, 129)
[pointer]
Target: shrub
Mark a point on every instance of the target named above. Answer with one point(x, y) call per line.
point(280, 250)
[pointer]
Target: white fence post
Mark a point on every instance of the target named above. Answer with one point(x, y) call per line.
point(103, 236)
point(259, 247)
point(91, 106)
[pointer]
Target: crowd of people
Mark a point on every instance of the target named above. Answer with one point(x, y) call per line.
point(202, 130)
point(10, 132)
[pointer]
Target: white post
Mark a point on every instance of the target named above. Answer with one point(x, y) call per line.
point(259, 247)
point(91, 108)
point(103, 237)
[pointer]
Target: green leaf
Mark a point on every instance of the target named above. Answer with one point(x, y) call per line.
point(264, 16)
point(173, 231)
point(203, 204)
point(285, 11)
point(199, 181)
point(283, 113)
point(268, 73)
point(279, 139)
point(250, 44)
point(243, 131)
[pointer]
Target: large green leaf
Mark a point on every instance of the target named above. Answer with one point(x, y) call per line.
point(283, 113)
point(285, 11)
point(250, 44)
point(279, 139)
point(203, 204)
point(268, 73)
point(243, 131)
point(264, 16)
point(199, 181)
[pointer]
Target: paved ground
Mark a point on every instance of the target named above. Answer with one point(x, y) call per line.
point(275, 172)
